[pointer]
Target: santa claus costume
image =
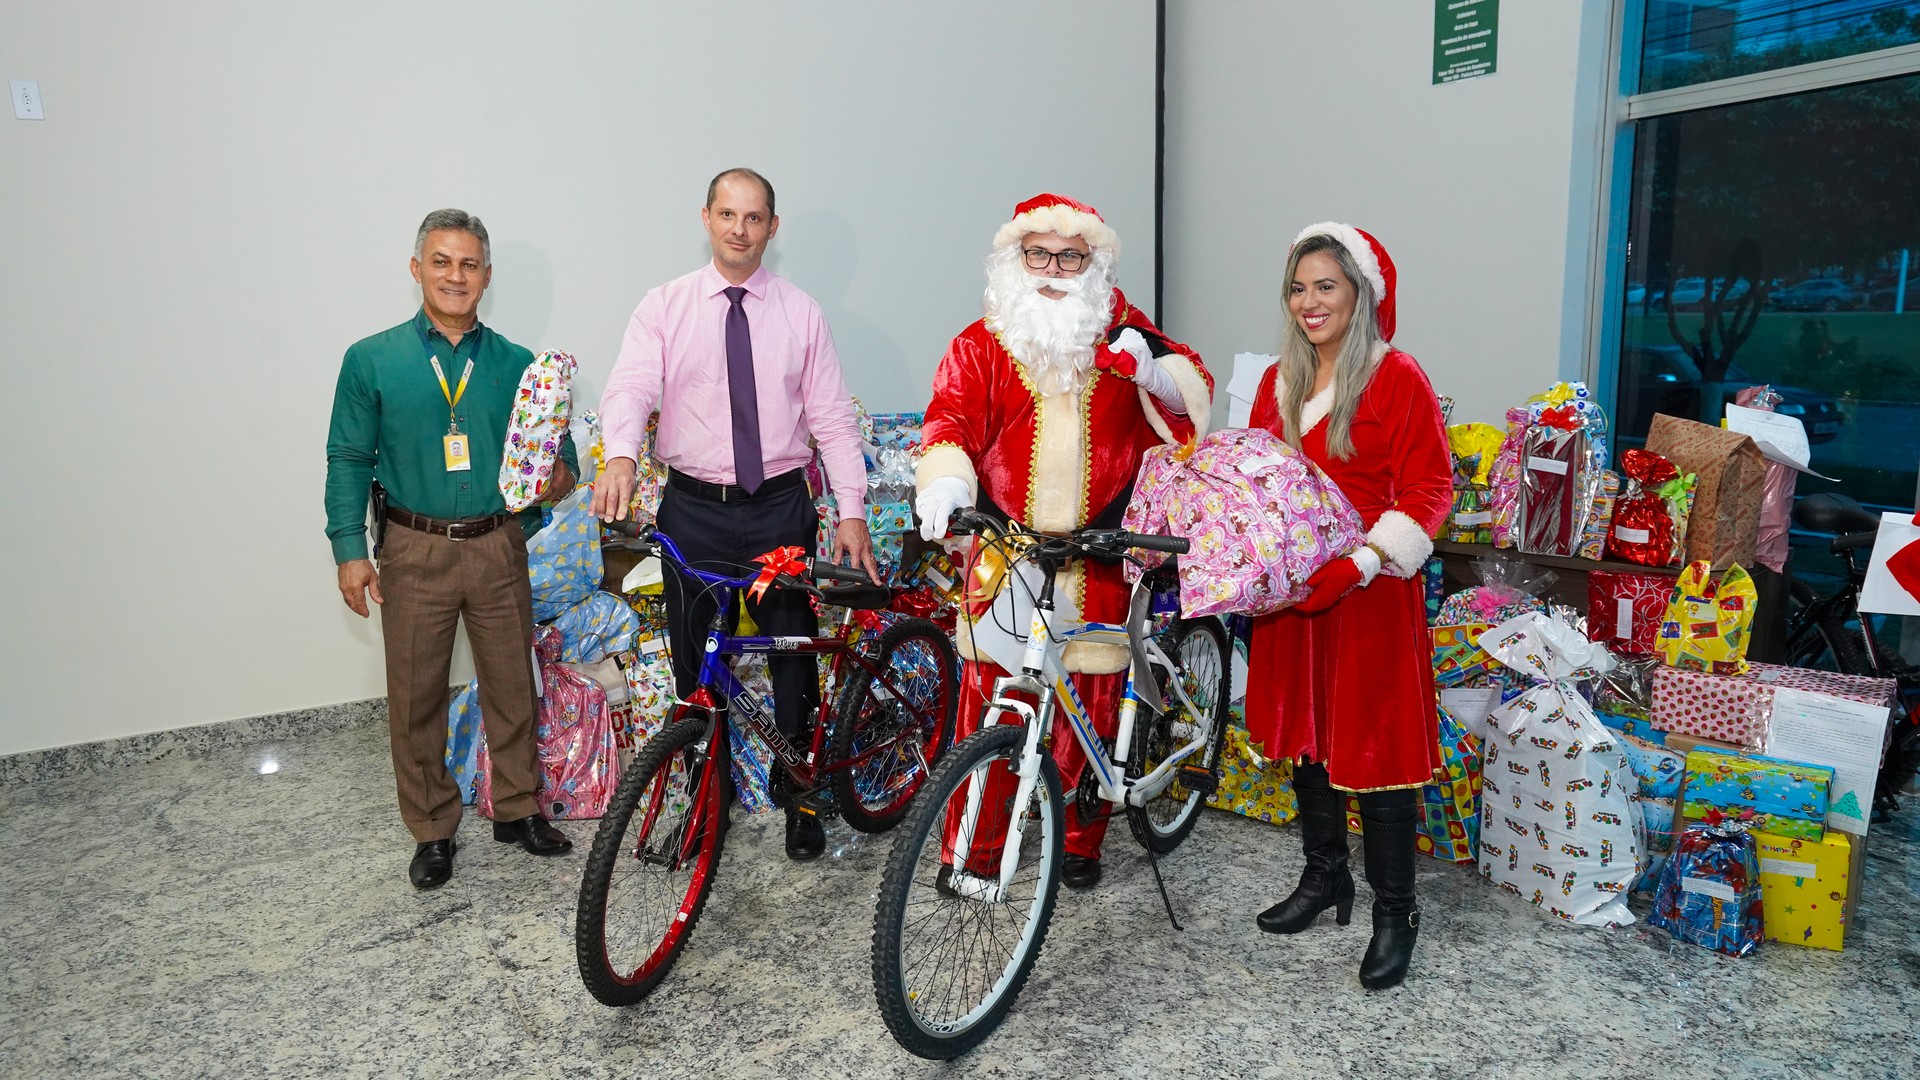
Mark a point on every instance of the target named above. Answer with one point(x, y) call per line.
point(1036, 415)
point(1347, 691)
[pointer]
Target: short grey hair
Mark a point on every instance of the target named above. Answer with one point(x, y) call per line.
point(453, 219)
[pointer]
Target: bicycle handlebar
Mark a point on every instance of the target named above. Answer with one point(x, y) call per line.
point(1099, 541)
point(658, 543)
point(1846, 542)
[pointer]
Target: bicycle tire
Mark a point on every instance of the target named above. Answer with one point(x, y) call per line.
point(652, 777)
point(912, 889)
point(1825, 642)
point(874, 795)
point(1165, 821)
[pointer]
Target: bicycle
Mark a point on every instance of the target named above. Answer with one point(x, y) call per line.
point(653, 858)
point(970, 885)
point(1830, 632)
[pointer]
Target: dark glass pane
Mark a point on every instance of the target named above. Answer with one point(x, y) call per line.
point(1696, 41)
point(1779, 241)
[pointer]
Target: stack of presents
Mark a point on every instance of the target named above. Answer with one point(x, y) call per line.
point(603, 663)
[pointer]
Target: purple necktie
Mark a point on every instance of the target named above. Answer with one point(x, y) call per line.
point(748, 468)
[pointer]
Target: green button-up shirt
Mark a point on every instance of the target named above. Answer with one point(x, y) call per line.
point(389, 418)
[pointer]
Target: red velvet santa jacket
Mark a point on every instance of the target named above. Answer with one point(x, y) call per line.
point(1054, 462)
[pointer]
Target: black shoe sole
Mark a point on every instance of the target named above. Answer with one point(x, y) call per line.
point(522, 845)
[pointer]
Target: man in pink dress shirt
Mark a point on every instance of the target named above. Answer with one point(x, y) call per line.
point(741, 366)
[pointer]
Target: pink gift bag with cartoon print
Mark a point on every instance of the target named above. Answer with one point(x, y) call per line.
point(1259, 515)
point(579, 761)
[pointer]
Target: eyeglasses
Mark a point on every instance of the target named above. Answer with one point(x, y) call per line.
point(1069, 259)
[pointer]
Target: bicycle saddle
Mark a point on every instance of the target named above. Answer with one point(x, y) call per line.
point(1832, 512)
point(860, 597)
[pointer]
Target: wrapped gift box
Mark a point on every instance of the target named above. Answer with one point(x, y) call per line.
point(1624, 610)
point(1458, 658)
point(1804, 888)
point(1252, 786)
point(1788, 798)
point(1735, 708)
point(1635, 726)
point(1657, 768)
point(1657, 817)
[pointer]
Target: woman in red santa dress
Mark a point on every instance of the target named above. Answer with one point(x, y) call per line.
point(1347, 684)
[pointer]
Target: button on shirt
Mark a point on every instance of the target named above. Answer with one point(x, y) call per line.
point(389, 417)
point(674, 359)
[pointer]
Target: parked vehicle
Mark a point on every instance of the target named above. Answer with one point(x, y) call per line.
point(1882, 298)
point(1688, 294)
point(1664, 379)
point(1815, 294)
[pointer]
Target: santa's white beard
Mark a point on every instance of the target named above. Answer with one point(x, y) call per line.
point(1053, 339)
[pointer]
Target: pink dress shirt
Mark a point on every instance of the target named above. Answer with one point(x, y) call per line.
point(674, 358)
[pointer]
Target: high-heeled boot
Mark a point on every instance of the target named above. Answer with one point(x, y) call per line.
point(1326, 882)
point(1388, 820)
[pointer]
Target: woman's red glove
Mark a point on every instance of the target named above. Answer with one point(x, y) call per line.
point(1329, 584)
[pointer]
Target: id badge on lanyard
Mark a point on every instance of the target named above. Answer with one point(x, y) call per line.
point(458, 451)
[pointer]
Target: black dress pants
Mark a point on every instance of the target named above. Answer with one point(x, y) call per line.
point(724, 538)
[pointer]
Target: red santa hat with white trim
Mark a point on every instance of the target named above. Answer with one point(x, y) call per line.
point(1049, 213)
point(1374, 265)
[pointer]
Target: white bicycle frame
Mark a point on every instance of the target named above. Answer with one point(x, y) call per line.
point(1044, 676)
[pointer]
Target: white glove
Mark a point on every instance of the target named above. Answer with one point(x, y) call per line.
point(937, 501)
point(1148, 372)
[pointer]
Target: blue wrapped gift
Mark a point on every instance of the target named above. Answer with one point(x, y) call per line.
point(1786, 798)
point(1709, 892)
point(1657, 768)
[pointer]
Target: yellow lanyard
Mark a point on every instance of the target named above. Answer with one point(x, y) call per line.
point(453, 396)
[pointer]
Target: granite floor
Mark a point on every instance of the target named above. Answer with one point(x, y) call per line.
point(196, 917)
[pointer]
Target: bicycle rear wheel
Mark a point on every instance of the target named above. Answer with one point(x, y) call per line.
point(906, 731)
point(1202, 661)
point(950, 952)
point(652, 862)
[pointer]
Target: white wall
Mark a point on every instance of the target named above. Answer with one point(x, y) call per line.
point(1284, 114)
point(223, 197)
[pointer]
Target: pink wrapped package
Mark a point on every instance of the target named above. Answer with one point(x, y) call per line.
point(1736, 709)
point(1506, 479)
point(1776, 499)
point(1260, 517)
point(579, 763)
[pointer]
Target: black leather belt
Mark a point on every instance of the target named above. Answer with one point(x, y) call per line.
point(728, 493)
point(452, 530)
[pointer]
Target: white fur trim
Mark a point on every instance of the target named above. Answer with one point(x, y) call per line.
point(1193, 393)
point(1407, 544)
point(1356, 245)
point(1059, 464)
point(1314, 409)
point(938, 461)
point(1060, 220)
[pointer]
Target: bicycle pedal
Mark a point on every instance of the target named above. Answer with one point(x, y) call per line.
point(1196, 778)
point(818, 803)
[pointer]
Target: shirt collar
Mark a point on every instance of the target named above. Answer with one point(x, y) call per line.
point(427, 331)
point(713, 283)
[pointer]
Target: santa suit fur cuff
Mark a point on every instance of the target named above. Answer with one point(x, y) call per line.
point(1407, 544)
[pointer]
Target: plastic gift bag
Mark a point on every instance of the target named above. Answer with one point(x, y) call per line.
point(597, 627)
point(1776, 501)
point(1504, 481)
point(1707, 624)
point(539, 422)
point(1473, 448)
point(1650, 520)
point(579, 761)
point(1593, 537)
point(1709, 893)
point(1558, 824)
point(563, 559)
point(465, 737)
point(649, 478)
point(1508, 587)
point(1260, 517)
point(1552, 478)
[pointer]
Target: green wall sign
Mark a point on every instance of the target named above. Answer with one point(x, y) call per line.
point(1466, 39)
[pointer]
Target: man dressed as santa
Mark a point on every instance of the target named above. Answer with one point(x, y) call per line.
point(1041, 411)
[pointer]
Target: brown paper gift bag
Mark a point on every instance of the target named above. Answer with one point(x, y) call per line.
point(1725, 524)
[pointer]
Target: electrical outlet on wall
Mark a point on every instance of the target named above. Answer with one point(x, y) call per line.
point(26, 99)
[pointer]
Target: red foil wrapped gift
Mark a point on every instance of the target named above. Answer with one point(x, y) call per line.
point(1643, 525)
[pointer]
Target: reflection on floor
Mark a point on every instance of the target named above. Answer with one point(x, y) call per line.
point(210, 918)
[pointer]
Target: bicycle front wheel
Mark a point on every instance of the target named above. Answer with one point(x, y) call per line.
point(901, 724)
point(1202, 666)
point(951, 948)
point(652, 862)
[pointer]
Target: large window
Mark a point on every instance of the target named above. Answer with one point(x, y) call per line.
point(1772, 231)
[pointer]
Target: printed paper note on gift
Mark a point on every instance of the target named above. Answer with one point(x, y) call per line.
point(1803, 888)
point(1787, 798)
point(1844, 735)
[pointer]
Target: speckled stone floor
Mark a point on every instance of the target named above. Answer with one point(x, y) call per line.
point(194, 917)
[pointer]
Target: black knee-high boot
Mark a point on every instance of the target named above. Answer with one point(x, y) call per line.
point(1388, 820)
point(1326, 882)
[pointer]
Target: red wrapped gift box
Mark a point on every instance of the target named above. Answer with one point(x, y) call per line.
point(1624, 609)
point(1736, 708)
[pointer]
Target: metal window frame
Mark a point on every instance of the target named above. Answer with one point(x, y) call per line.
point(1613, 198)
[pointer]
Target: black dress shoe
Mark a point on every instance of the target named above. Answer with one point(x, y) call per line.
point(533, 833)
point(432, 864)
point(806, 840)
point(1080, 872)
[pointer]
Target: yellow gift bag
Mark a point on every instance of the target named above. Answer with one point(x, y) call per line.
point(1707, 624)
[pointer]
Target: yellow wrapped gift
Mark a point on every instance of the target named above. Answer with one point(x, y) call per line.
point(1253, 786)
point(1707, 623)
point(1803, 888)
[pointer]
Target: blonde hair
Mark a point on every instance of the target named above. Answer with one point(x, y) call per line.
point(1359, 357)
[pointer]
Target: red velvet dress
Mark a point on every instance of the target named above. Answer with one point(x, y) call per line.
point(1352, 686)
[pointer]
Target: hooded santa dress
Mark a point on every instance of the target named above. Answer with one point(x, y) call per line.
point(1351, 687)
point(1055, 462)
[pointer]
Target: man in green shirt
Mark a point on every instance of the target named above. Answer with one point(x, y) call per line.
point(423, 408)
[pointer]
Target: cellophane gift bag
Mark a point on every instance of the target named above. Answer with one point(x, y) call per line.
point(1508, 586)
point(1593, 537)
point(1709, 893)
point(1260, 518)
point(579, 761)
point(1473, 448)
point(541, 409)
point(1504, 481)
point(1708, 623)
point(1558, 824)
point(1776, 500)
point(1649, 521)
point(1552, 477)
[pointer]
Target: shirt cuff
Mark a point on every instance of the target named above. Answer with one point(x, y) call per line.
point(350, 547)
point(852, 507)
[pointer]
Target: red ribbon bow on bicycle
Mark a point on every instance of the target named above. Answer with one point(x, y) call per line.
point(786, 560)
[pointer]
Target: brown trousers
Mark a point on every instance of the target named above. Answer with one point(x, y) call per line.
point(428, 582)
